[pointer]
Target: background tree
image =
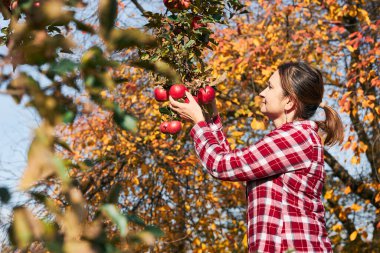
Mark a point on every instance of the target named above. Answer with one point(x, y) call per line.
point(37, 37)
point(341, 39)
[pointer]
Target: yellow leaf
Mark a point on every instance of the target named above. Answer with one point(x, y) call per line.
point(353, 235)
point(197, 241)
point(369, 117)
point(237, 134)
point(362, 147)
point(187, 207)
point(245, 241)
point(377, 109)
point(355, 160)
point(377, 198)
point(103, 94)
point(347, 190)
point(371, 97)
point(256, 42)
point(257, 100)
point(328, 194)
point(135, 181)
point(213, 227)
point(337, 228)
point(257, 125)
point(356, 207)
point(350, 48)
point(347, 145)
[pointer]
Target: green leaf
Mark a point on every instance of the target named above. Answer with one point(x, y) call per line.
point(63, 144)
point(114, 194)
point(189, 43)
point(217, 17)
point(165, 110)
point(5, 196)
point(68, 117)
point(156, 231)
point(135, 219)
point(63, 66)
point(113, 213)
point(52, 28)
point(173, 17)
point(25, 227)
point(107, 16)
point(61, 170)
point(89, 162)
point(84, 27)
point(160, 67)
point(125, 121)
point(121, 39)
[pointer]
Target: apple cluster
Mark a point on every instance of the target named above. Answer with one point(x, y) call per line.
point(14, 4)
point(177, 91)
point(176, 5)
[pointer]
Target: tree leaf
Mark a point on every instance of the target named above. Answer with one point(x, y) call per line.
point(156, 231)
point(5, 196)
point(121, 39)
point(189, 43)
point(113, 213)
point(63, 66)
point(353, 235)
point(165, 110)
point(25, 227)
point(107, 15)
point(114, 194)
point(135, 219)
point(124, 120)
point(159, 67)
point(84, 27)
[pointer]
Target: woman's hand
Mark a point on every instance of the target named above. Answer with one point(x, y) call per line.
point(191, 110)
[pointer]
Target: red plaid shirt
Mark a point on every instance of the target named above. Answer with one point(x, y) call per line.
point(285, 175)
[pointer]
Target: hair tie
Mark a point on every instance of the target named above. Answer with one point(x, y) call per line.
point(322, 104)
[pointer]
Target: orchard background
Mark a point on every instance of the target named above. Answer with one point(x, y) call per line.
point(100, 174)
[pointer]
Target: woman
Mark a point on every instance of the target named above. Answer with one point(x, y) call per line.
point(284, 171)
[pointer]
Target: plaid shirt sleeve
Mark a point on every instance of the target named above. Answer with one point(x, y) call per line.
point(216, 127)
point(284, 149)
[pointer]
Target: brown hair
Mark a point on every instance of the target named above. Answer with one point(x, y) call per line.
point(304, 84)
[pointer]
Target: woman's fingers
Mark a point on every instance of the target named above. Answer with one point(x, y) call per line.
point(189, 97)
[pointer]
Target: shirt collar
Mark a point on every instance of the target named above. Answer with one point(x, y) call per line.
point(303, 123)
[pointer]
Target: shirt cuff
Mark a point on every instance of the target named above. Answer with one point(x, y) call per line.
point(215, 123)
point(198, 129)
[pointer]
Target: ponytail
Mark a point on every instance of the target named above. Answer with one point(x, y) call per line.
point(332, 126)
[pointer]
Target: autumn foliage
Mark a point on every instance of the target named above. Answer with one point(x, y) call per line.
point(99, 162)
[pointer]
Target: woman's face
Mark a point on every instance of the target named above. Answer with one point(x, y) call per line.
point(273, 99)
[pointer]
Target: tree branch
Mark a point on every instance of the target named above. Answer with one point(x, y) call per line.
point(138, 6)
point(356, 186)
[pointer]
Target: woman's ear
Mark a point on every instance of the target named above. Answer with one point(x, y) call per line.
point(290, 104)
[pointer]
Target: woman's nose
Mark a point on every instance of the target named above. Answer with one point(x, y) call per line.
point(262, 93)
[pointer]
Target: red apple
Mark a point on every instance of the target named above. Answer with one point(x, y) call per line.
point(36, 4)
point(177, 91)
point(188, 101)
point(164, 127)
point(160, 94)
point(14, 5)
point(206, 95)
point(171, 4)
point(174, 127)
point(195, 24)
point(185, 4)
